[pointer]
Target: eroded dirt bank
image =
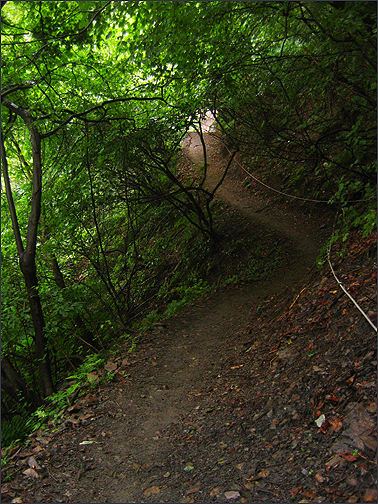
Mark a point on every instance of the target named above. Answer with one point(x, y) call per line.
point(219, 403)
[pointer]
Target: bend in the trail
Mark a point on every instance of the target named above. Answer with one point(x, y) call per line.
point(186, 354)
point(304, 235)
point(134, 444)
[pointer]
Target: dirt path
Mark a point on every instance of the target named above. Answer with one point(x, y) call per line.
point(304, 235)
point(173, 365)
point(187, 354)
point(181, 421)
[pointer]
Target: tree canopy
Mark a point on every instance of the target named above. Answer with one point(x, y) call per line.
point(97, 97)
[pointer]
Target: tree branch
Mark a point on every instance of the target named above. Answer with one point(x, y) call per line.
point(12, 208)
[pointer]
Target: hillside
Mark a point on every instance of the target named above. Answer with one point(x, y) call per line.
point(219, 403)
point(188, 251)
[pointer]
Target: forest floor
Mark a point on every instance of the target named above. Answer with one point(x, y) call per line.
point(264, 391)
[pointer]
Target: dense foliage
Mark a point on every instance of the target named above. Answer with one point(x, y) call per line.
point(98, 228)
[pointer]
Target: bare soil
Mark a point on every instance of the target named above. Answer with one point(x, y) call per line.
point(223, 401)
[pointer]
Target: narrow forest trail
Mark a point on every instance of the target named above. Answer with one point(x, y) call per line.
point(139, 450)
point(208, 408)
point(304, 235)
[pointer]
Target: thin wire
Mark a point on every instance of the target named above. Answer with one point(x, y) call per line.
point(329, 250)
point(347, 293)
point(341, 284)
point(281, 192)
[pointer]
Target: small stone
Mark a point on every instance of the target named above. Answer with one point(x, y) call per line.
point(31, 473)
point(232, 494)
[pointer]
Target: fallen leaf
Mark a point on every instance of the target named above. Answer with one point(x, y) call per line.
point(334, 461)
point(232, 494)
point(336, 424)
point(370, 442)
point(294, 492)
point(111, 366)
point(348, 456)
point(370, 495)
point(264, 473)
point(193, 490)
point(319, 478)
point(34, 464)
point(332, 398)
point(151, 491)
point(93, 377)
point(43, 440)
point(319, 421)
point(214, 492)
point(75, 407)
point(372, 408)
point(309, 494)
point(188, 467)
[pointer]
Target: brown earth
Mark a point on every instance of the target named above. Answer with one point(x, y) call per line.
point(220, 402)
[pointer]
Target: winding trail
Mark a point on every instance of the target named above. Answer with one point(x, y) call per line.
point(174, 362)
point(138, 454)
point(304, 235)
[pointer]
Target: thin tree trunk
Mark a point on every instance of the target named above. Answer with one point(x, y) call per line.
point(31, 281)
point(27, 255)
point(13, 383)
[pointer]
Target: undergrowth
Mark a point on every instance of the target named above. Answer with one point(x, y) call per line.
point(17, 429)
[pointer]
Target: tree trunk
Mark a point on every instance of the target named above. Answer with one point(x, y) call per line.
point(27, 255)
point(13, 383)
point(31, 281)
point(58, 275)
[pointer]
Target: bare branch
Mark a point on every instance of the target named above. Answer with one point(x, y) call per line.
point(12, 208)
